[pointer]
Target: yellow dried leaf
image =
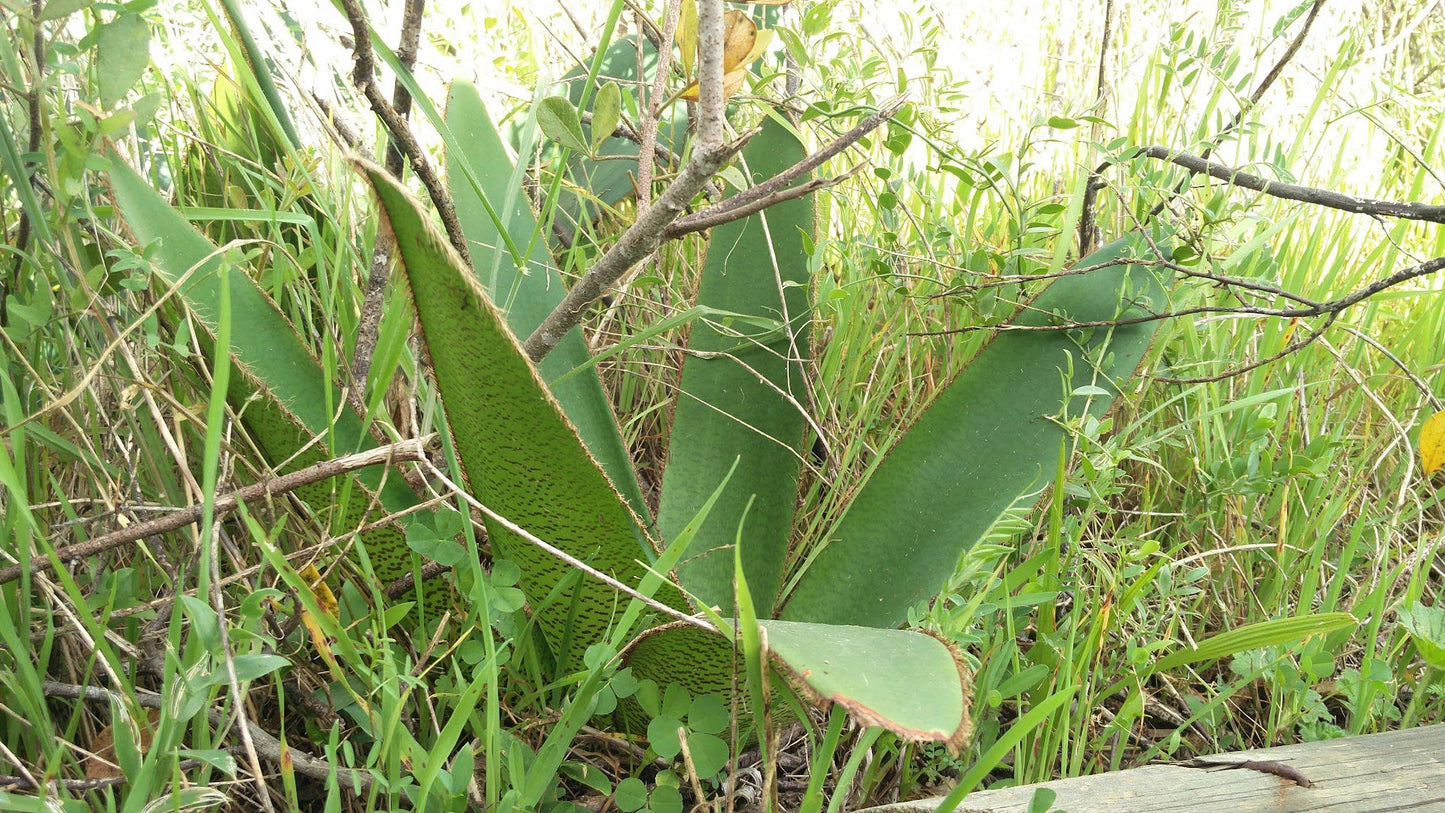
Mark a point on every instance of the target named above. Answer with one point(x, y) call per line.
point(326, 600)
point(739, 34)
point(736, 71)
point(687, 35)
point(324, 597)
point(1432, 443)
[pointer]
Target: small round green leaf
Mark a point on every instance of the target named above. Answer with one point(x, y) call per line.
point(709, 754)
point(631, 795)
point(662, 736)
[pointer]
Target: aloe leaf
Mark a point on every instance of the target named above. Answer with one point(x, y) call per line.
point(521, 456)
point(907, 682)
point(742, 390)
point(988, 440)
point(527, 297)
point(283, 396)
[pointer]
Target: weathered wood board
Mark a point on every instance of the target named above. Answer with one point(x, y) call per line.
point(1397, 770)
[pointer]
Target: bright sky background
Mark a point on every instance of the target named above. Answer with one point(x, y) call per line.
point(1011, 63)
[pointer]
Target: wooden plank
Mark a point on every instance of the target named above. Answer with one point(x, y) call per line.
point(1396, 770)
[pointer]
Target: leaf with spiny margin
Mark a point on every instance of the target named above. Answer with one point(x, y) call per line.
point(907, 682)
point(284, 397)
point(989, 438)
point(741, 395)
point(527, 297)
point(521, 456)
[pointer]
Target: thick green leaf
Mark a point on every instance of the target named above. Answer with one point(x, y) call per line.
point(907, 682)
point(527, 298)
point(521, 457)
point(284, 396)
point(741, 400)
point(987, 441)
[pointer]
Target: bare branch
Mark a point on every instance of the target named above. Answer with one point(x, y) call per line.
point(1292, 348)
point(711, 217)
point(400, 138)
point(1254, 99)
point(406, 51)
point(363, 76)
point(1304, 194)
point(654, 104)
point(790, 175)
point(646, 233)
point(1088, 232)
point(404, 451)
point(1327, 308)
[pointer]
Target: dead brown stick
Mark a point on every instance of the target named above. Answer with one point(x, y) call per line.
point(778, 183)
point(267, 746)
point(363, 75)
point(404, 451)
point(372, 302)
point(1088, 236)
point(1429, 213)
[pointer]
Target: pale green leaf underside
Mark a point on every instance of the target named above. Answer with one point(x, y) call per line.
point(987, 440)
point(907, 682)
point(731, 403)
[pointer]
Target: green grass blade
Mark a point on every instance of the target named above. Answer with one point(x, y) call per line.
point(260, 70)
point(990, 437)
point(743, 398)
point(1275, 632)
point(282, 393)
point(528, 297)
point(1036, 717)
point(521, 456)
